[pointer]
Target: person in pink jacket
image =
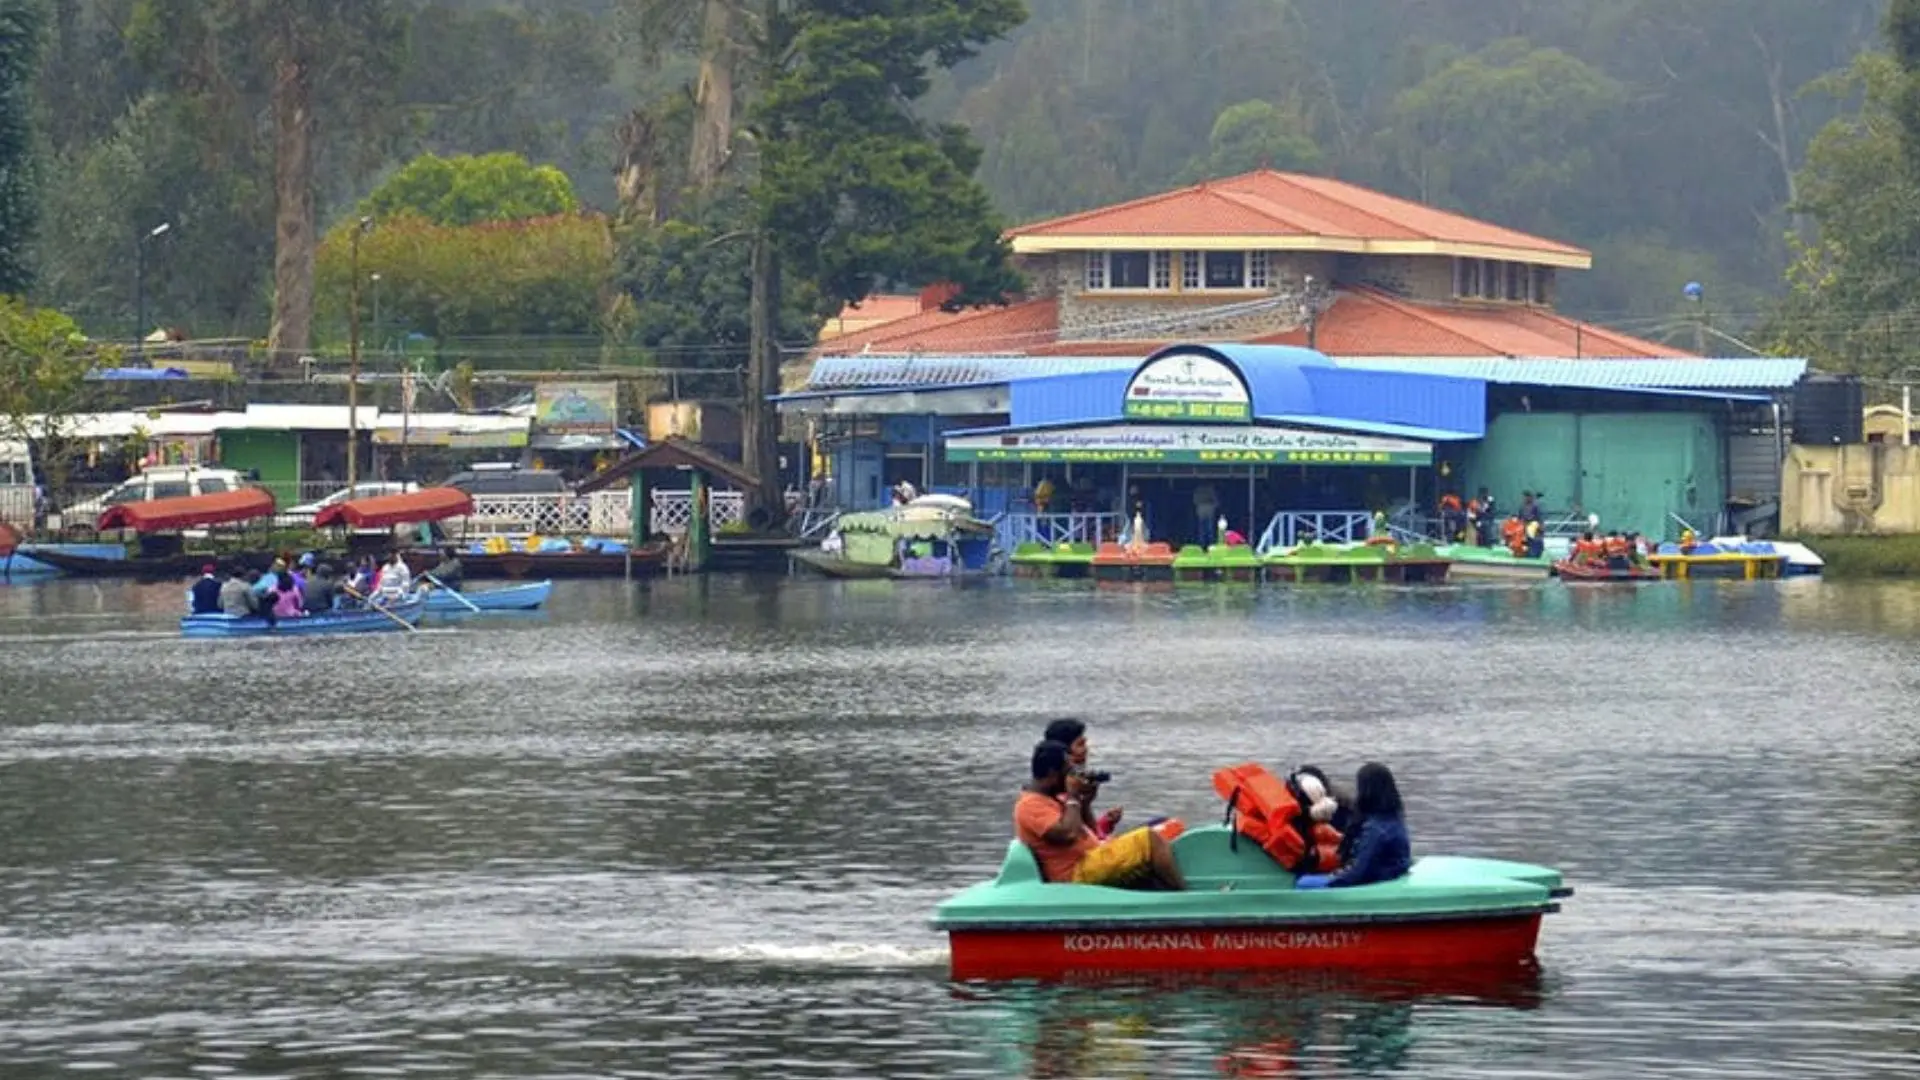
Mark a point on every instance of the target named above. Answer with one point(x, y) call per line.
point(288, 603)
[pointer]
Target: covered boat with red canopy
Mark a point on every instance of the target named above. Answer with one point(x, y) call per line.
point(189, 511)
point(386, 511)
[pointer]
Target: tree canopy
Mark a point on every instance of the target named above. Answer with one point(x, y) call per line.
point(466, 190)
point(1677, 139)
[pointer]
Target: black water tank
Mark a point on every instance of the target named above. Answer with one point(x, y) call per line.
point(1827, 410)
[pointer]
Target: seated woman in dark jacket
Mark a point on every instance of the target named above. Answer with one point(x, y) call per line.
point(1377, 847)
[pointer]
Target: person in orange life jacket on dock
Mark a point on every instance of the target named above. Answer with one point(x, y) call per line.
point(1377, 847)
point(1530, 520)
point(1514, 536)
point(1049, 820)
point(1072, 734)
point(1452, 517)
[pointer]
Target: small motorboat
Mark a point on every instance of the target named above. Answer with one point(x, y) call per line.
point(1241, 912)
point(401, 615)
point(1568, 570)
point(524, 597)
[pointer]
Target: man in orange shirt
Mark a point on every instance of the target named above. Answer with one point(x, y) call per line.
point(1055, 830)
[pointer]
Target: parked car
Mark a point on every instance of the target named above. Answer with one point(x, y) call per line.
point(510, 500)
point(159, 482)
point(296, 516)
point(508, 480)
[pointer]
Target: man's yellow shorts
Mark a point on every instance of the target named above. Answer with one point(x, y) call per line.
point(1119, 861)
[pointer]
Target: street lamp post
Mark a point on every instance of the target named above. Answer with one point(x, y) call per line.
point(379, 336)
point(140, 287)
point(353, 354)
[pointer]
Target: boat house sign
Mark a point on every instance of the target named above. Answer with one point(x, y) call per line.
point(1188, 386)
point(1190, 444)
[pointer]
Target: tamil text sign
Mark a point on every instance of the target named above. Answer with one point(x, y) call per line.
point(1188, 386)
point(570, 408)
point(1190, 444)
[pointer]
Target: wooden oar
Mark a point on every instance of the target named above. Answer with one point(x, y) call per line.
point(471, 606)
point(375, 605)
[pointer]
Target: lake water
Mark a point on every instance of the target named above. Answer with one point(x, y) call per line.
point(695, 828)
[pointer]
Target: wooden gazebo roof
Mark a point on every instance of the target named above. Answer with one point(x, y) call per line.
point(671, 452)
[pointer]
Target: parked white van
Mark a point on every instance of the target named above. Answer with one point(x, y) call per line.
point(159, 482)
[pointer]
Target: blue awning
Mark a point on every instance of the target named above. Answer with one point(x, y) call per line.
point(134, 374)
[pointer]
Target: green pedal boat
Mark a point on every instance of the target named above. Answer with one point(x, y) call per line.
point(1241, 912)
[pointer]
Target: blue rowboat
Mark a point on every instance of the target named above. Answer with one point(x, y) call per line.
point(525, 597)
point(345, 621)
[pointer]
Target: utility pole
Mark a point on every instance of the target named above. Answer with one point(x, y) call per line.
point(353, 355)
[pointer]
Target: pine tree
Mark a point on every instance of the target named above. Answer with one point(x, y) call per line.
point(854, 190)
point(21, 26)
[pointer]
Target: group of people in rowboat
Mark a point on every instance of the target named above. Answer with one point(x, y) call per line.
point(1332, 838)
point(297, 588)
point(1614, 550)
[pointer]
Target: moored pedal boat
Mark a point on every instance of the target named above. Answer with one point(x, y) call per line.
point(1241, 912)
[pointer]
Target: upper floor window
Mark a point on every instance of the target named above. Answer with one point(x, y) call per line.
point(1119, 270)
point(1226, 270)
point(1495, 279)
point(1199, 270)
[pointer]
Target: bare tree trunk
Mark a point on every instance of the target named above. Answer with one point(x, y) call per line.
point(713, 97)
point(294, 241)
point(1780, 139)
point(638, 178)
point(761, 442)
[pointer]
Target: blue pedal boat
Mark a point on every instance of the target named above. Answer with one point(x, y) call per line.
point(527, 597)
point(344, 621)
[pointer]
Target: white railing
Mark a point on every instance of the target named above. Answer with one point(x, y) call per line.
point(610, 513)
point(672, 510)
point(548, 515)
point(1053, 529)
point(1289, 528)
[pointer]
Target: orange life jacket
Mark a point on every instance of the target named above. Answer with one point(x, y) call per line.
point(1617, 547)
point(1515, 534)
point(1449, 502)
point(1273, 813)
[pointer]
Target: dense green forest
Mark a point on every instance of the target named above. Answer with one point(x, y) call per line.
point(1729, 142)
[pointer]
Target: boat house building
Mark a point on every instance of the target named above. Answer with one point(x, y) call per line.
point(1297, 354)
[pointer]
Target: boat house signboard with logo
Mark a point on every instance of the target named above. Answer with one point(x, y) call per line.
point(1188, 386)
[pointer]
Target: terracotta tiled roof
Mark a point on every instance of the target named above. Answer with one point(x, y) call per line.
point(1365, 322)
point(1361, 322)
point(1018, 327)
point(871, 312)
point(1276, 204)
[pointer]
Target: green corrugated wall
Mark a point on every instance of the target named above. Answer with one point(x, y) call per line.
point(1633, 469)
point(275, 453)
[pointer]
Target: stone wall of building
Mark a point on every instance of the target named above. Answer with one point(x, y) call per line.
point(1122, 316)
point(1423, 278)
